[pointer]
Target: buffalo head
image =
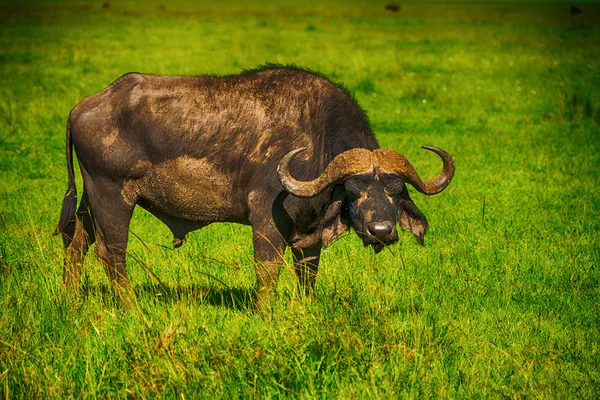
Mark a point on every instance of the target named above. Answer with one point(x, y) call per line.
point(373, 191)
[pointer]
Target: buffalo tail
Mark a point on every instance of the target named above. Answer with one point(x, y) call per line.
point(66, 223)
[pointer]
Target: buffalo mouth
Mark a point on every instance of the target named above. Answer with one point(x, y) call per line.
point(377, 245)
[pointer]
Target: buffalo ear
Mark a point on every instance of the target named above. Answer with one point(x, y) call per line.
point(334, 224)
point(335, 228)
point(335, 221)
point(412, 218)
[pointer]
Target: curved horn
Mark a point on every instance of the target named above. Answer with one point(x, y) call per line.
point(344, 165)
point(393, 162)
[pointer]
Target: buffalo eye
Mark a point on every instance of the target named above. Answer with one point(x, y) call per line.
point(393, 184)
point(356, 185)
point(353, 191)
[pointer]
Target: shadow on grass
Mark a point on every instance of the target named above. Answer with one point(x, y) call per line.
point(240, 299)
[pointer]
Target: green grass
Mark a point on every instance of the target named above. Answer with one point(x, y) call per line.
point(502, 302)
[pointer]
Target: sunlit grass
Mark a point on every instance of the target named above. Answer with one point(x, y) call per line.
point(501, 302)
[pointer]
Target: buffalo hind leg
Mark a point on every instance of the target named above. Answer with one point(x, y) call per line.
point(306, 265)
point(78, 246)
point(112, 215)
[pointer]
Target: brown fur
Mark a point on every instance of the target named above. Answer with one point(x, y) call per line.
point(198, 150)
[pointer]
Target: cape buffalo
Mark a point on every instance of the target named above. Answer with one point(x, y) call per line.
point(281, 149)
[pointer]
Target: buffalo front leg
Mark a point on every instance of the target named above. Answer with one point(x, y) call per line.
point(306, 265)
point(269, 249)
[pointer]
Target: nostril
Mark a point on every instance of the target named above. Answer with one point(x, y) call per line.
point(380, 229)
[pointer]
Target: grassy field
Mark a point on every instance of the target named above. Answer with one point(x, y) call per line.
point(503, 301)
